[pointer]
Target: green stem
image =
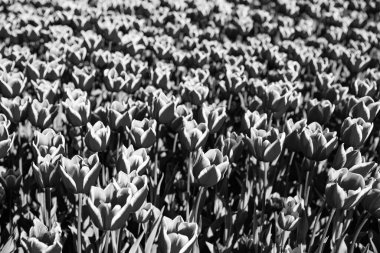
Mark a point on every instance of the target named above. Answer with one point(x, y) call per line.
point(265, 184)
point(48, 206)
point(107, 241)
point(79, 230)
point(198, 209)
point(315, 228)
point(230, 102)
point(156, 164)
point(362, 223)
point(308, 181)
point(175, 143)
point(188, 185)
point(322, 245)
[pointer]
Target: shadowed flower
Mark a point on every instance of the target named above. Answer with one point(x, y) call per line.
point(131, 160)
point(42, 114)
point(143, 133)
point(354, 132)
point(193, 136)
point(97, 137)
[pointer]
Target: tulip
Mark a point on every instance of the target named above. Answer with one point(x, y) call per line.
point(78, 110)
point(54, 70)
point(101, 58)
point(209, 167)
point(290, 214)
point(34, 69)
point(265, 146)
point(48, 142)
point(12, 84)
point(46, 90)
point(320, 111)
point(254, 119)
point(84, 78)
point(76, 55)
point(46, 171)
point(133, 82)
point(276, 97)
point(15, 109)
point(177, 235)
point(11, 179)
point(42, 114)
point(231, 146)
point(97, 137)
point(214, 117)
point(193, 136)
point(41, 240)
point(371, 202)
point(133, 160)
point(345, 189)
point(293, 134)
point(79, 174)
point(161, 77)
point(365, 108)
point(362, 88)
point(346, 158)
point(91, 40)
point(182, 114)
point(113, 81)
point(317, 143)
point(235, 79)
point(143, 133)
point(163, 108)
point(354, 132)
point(6, 140)
point(120, 115)
point(193, 92)
point(145, 213)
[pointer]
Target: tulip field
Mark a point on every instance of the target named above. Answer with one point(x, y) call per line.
point(178, 126)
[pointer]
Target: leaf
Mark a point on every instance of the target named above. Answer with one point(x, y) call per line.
point(136, 246)
point(149, 242)
point(9, 246)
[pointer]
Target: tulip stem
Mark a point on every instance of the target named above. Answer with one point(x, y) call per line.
point(79, 231)
point(198, 208)
point(230, 102)
point(362, 223)
point(322, 245)
point(265, 184)
point(188, 185)
point(315, 227)
point(107, 241)
point(48, 206)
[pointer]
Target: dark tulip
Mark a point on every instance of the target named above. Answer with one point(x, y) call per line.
point(42, 114)
point(97, 137)
point(193, 136)
point(354, 132)
point(143, 133)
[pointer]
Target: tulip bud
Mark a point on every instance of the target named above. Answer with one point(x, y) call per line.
point(346, 158)
point(11, 180)
point(209, 168)
point(371, 202)
point(15, 109)
point(163, 108)
point(133, 82)
point(78, 174)
point(320, 111)
point(97, 137)
point(193, 136)
point(182, 114)
point(145, 213)
point(293, 134)
point(113, 81)
point(120, 115)
point(362, 88)
point(46, 90)
point(78, 110)
point(354, 132)
point(290, 214)
point(42, 114)
point(265, 146)
point(235, 79)
point(177, 235)
point(143, 133)
point(214, 117)
point(133, 160)
point(101, 58)
point(46, 171)
point(12, 84)
point(48, 142)
point(231, 146)
point(193, 92)
point(83, 78)
point(365, 108)
point(42, 240)
point(255, 120)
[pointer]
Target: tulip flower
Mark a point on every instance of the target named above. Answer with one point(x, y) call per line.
point(97, 137)
point(12, 84)
point(76, 55)
point(371, 202)
point(265, 146)
point(54, 70)
point(41, 240)
point(133, 160)
point(231, 146)
point(317, 143)
point(235, 79)
point(193, 92)
point(113, 81)
point(46, 90)
point(214, 117)
point(143, 133)
point(345, 189)
point(290, 214)
point(46, 172)
point(101, 58)
point(15, 109)
point(193, 136)
point(78, 110)
point(365, 108)
point(6, 140)
point(209, 167)
point(177, 235)
point(91, 40)
point(120, 115)
point(145, 213)
point(161, 77)
point(84, 78)
point(11, 179)
point(364, 88)
point(48, 142)
point(163, 108)
point(354, 132)
point(132, 82)
point(254, 119)
point(42, 114)
point(293, 134)
point(320, 111)
point(34, 69)
point(182, 114)
point(79, 174)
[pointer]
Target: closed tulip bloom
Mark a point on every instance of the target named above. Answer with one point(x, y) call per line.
point(193, 136)
point(145, 213)
point(320, 111)
point(177, 236)
point(163, 108)
point(182, 114)
point(78, 110)
point(15, 109)
point(293, 134)
point(371, 202)
point(120, 115)
point(214, 117)
point(194, 92)
point(41, 240)
point(254, 119)
point(265, 145)
point(48, 142)
point(354, 132)
point(97, 137)
point(133, 160)
point(83, 78)
point(231, 146)
point(11, 179)
point(113, 81)
point(235, 79)
point(290, 214)
point(345, 189)
point(12, 84)
point(46, 172)
point(46, 90)
point(143, 133)
point(277, 98)
point(209, 168)
point(365, 108)
point(6, 140)
point(317, 143)
point(42, 114)
point(79, 174)
point(101, 58)
point(362, 88)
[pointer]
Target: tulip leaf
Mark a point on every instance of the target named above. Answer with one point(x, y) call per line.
point(136, 246)
point(149, 242)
